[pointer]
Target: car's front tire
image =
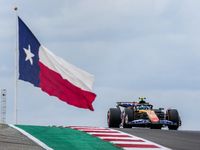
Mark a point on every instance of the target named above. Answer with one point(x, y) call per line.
point(127, 115)
point(172, 115)
point(113, 117)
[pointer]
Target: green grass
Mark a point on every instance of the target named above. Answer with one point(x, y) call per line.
point(60, 138)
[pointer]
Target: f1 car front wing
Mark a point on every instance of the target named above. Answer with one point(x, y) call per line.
point(147, 121)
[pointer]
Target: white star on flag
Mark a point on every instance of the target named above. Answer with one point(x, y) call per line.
point(29, 55)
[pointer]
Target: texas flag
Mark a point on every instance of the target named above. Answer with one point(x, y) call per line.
point(51, 73)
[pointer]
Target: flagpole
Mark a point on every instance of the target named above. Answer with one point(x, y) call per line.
point(16, 64)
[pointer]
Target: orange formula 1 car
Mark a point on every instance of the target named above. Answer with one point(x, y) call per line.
point(142, 114)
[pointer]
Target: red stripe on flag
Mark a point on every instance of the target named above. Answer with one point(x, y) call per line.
point(110, 135)
point(52, 83)
point(137, 145)
point(123, 140)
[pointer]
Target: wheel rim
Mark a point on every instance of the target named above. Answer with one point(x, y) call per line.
point(126, 119)
point(108, 118)
point(123, 118)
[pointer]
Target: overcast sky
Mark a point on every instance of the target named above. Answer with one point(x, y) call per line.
point(133, 48)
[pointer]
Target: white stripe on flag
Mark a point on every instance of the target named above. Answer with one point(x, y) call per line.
point(68, 71)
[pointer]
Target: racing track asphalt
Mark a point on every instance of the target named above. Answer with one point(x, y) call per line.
point(176, 140)
point(11, 139)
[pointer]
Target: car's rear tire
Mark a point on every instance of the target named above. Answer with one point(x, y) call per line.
point(172, 115)
point(127, 115)
point(113, 117)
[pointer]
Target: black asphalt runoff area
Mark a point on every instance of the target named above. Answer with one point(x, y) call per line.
point(11, 139)
point(173, 139)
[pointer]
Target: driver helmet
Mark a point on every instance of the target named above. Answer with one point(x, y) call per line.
point(142, 107)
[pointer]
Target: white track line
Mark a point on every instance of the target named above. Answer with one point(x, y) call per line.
point(120, 138)
point(146, 141)
point(31, 137)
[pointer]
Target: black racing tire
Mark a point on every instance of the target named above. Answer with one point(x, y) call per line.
point(127, 115)
point(172, 115)
point(113, 117)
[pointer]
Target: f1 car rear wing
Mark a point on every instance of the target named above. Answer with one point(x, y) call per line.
point(133, 104)
point(126, 104)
